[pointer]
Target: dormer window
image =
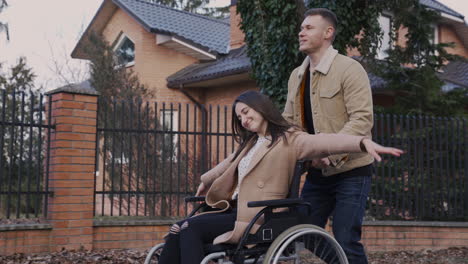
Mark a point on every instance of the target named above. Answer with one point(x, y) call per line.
point(125, 51)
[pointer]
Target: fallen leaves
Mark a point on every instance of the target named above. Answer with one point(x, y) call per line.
point(133, 256)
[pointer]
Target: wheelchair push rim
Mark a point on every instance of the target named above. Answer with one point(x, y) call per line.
point(325, 248)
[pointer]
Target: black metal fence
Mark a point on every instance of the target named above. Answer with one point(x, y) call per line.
point(24, 141)
point(151, 155)
point(429, 182)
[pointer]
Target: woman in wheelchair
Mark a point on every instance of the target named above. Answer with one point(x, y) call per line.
point(260, 169)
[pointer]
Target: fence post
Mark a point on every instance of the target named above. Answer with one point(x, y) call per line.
point(71, 171)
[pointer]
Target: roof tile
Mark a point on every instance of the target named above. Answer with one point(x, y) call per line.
point(213, 34)
point(440, 7)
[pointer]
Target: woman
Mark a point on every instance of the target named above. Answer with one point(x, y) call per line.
point(260, 169)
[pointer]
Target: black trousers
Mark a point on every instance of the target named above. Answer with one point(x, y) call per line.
point(186, 247)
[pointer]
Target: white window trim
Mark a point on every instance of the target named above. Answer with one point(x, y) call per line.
point(166, 113)
point(162, 39)
point(436, 34)
point(119, 42)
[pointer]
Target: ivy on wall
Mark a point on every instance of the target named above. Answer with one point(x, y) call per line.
point(271, 28)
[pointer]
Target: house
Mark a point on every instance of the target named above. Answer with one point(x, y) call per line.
point(184, 57)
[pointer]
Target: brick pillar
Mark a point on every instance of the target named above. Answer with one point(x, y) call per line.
point(71, 173)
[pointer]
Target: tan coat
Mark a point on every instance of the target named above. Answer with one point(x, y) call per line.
point(268, 175)
point(341, 102)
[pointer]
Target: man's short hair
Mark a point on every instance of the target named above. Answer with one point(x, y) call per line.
point(328, 15)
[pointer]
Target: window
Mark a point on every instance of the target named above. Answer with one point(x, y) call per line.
point(435, 36)
point(125, 51)
point(169, 124)
point(385, 25)
point(169, 120)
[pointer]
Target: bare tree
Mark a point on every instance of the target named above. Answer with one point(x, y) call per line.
point(66, 69)
point(196, 6)
point(3, 25)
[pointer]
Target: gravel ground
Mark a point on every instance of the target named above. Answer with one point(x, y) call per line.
point(445, 256)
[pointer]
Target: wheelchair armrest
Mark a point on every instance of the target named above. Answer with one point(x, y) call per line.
point(194, 199)
point(275, 203)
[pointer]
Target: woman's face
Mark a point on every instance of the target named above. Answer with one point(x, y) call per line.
point(250, 119)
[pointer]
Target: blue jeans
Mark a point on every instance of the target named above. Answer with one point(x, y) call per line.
point(344, 198)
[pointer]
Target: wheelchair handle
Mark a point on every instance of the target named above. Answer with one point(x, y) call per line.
point(194, 199)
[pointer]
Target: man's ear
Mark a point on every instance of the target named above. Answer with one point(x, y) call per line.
point(329, 32)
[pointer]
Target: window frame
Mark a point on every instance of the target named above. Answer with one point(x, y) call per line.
point(165, 115)
point(118, 44)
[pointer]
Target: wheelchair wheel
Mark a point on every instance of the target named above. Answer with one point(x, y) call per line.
point(307, 244)
point(153, 254)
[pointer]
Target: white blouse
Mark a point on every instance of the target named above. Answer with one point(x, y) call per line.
point(245, 161)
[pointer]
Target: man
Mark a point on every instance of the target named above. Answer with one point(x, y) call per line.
point(330, 93)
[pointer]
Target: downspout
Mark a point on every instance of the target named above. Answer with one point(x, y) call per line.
point(204, 135)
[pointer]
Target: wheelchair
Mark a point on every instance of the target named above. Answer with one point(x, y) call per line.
point(284, 237)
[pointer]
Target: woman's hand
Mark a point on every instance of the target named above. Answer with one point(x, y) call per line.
point(321, 163)
point(375, 149)
point(201, 191)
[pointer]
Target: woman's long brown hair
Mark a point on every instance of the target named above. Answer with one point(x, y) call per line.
point(277, 126)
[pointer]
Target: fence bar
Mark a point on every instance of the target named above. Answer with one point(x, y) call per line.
point(11, 159)
point(122, 156)
point(195, 163)
point(146, 173)
point(2, 141)
point(225, 131)
point(179, 109)
point(38, 173)
point(130, 153)
point(30, 155)
point(20, 160)
point(138, 158)
point(155, 164)
point(97, 155)
point(171, 151)
point(104, 160)
point(112, 174)
point(163, 158)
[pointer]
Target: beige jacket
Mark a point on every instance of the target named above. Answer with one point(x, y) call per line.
point(341, 102)
point(268, 175)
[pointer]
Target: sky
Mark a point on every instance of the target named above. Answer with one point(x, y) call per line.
point(46, 31)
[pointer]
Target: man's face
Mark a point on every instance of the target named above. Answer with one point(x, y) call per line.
point(315, 33)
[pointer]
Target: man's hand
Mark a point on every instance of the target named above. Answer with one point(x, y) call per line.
point(201, 191)
point(320, 163)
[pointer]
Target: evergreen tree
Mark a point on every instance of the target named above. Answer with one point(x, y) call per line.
point(21, 142)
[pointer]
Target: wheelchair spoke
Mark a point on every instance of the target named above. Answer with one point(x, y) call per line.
point(305, 244)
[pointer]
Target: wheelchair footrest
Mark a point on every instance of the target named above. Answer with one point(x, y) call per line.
point(210, 248)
